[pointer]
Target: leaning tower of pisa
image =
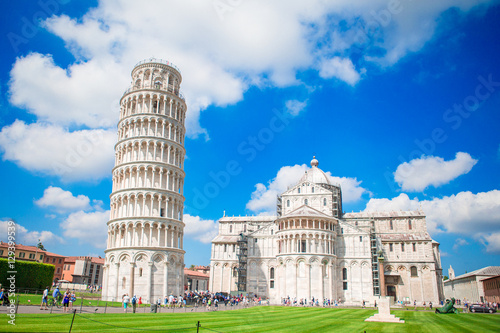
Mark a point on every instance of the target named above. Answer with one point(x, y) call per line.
point(144, 255)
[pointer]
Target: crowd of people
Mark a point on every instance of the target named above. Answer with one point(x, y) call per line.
point(287, 301)
point(211, 301)
point(66, 299)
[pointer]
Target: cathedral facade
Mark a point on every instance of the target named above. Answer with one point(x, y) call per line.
point(311, 249)
point(144, 254)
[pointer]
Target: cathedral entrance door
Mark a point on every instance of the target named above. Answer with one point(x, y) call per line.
point(391, 291)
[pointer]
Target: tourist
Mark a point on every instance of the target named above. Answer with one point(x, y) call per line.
point(363, 304)
point(140, 300)
point(375, 304)
point(125, 302)
point(5, 298)
point(56, 294)
point(66, 298)
point(209, 304)
point(415, 305)
point(134, 303)
point(425, 306)
point(430, 305)
point(45, 298)
point(72, 299)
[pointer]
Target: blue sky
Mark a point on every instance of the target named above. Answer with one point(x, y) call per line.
point(398, 100)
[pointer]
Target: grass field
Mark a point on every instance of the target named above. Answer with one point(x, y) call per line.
point(256, 319)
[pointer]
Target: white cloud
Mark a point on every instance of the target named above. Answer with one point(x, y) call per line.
point(25, 237)
point(294, 107)
point(63, 201)
point(351, 189)
point(420, 173)
point(459, 242)
point(473, 215)
point(230, 48)
point(90, 228)
point(263, 199)
point(341, 68)
point(51, 150)
point(84, 94)
point(492, 242)
point(200, 229)
point(401, 202)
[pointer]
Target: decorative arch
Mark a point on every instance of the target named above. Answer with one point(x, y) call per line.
point(158, 257)
point(124, 257)
point(140, 256)
point(314, 260)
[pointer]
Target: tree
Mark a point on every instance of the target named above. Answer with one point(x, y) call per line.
point(191, 268)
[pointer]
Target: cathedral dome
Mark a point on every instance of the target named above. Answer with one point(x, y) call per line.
point(315, 175)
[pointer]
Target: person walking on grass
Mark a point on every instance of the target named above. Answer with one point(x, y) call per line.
point(415, 305)
point(45, 298)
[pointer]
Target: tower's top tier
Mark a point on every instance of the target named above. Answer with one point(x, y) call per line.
point(157, 74)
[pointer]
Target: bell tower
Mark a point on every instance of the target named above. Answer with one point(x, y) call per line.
point(144, 255)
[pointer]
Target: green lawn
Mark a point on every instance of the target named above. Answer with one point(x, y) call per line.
point(256, 319)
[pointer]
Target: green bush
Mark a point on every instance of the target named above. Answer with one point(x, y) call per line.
point(33, 275)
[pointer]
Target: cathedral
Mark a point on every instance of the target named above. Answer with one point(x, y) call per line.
point(312, 249)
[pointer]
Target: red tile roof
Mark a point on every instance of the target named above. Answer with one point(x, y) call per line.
point(22, 247)
point(195, 273)
point(50, 254)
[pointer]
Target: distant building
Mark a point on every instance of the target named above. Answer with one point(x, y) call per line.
point(58, 261)
point(194, 280)
point(33, 253)
point(313, 249)
point(469, 286)
point(203, 269)
point(83, 270)
point(23, 252)
point(491, 287)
